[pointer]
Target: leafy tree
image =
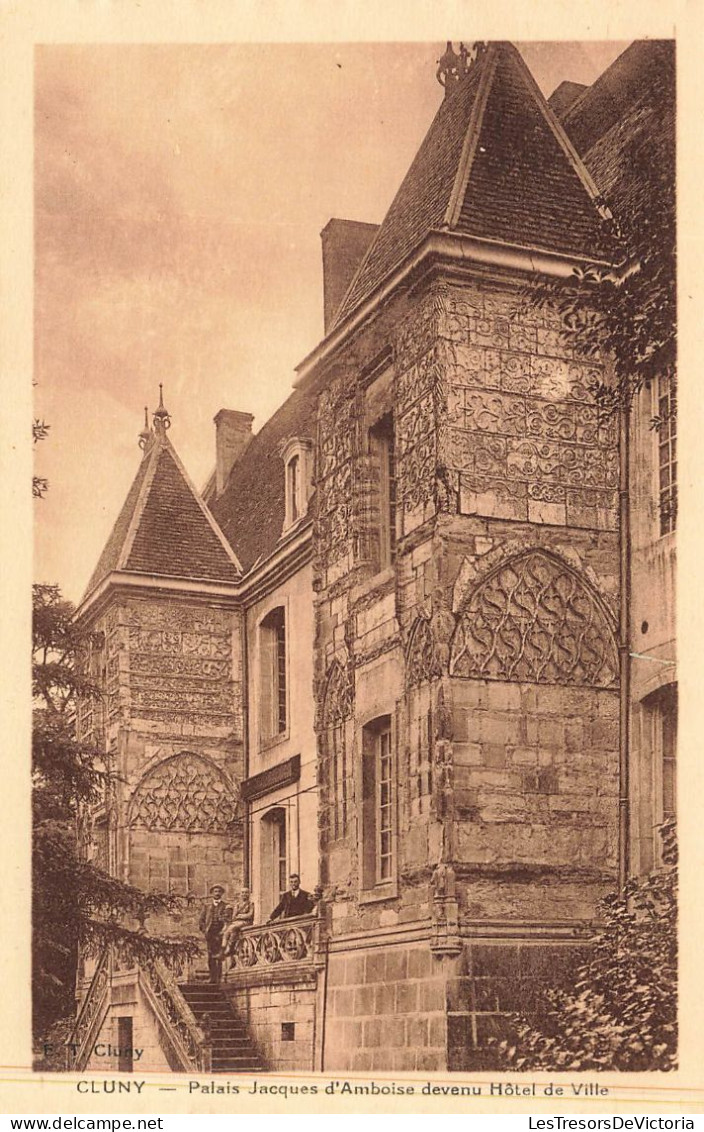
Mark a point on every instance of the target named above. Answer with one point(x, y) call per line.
point(77, 906)
point(621, 1013)
point(630, 313)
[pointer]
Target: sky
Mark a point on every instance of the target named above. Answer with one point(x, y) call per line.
point(180, 191)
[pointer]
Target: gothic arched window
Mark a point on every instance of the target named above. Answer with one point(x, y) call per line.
point(185, 792)
point(534, 619)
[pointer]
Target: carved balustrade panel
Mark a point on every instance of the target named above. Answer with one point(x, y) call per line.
point(187, 793)
point(534, 619)
point(289, 941)
point(184, 1029)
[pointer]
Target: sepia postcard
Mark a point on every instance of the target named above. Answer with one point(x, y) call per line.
point(362, 606)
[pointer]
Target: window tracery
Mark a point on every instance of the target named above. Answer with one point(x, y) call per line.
point(185, 792)
point(533, 619)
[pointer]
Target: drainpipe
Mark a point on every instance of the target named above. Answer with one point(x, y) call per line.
point(624, 832)
point(246, 847)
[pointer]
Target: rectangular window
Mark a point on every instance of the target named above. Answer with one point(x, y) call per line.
point(668, 739)
point(273, 704)
point(169, 870)
point(384, 846)
point(667, 455)
point(382, 451)
point(377, 804)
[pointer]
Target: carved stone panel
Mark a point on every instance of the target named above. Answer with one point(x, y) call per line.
point(186, 793)
point(182, 663)
point(336, 430)
point(534, 619)
point(422, 663)
point(337, 704)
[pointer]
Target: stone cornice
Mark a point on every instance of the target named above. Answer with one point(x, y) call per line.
point(450, 247)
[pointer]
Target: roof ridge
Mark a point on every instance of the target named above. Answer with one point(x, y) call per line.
point(560, 134)
point(150, 454)
point(471, 138)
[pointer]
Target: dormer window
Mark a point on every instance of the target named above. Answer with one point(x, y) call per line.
point(297, 464)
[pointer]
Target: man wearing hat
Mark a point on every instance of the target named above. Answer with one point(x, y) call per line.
point(213, 919)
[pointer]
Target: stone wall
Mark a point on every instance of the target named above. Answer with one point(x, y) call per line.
point(491, 643)
point(279, 1012)
point(127, 1001)
point(385, 1010)
point(498, 980)
point(171, 724)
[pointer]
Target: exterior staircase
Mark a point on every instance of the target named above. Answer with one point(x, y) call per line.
point(233, 1050)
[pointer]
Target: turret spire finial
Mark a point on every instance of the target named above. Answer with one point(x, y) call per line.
point(146, 433)
point(453, 66)
point(162, 420)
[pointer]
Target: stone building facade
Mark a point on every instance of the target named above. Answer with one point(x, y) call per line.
point(387, 648)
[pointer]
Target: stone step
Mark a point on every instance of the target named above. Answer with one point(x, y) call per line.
point(227, 1042)
point(233, 1064)
point(232, 1047)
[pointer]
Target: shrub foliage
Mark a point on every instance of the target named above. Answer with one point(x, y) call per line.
point(621, 1013)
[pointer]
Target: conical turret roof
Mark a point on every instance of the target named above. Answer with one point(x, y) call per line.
point(497, 165)
point(164, 528)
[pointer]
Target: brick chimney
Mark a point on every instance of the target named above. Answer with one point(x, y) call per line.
point(233, 432)
point(344, 245)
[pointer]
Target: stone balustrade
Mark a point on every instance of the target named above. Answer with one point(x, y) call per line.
point(270, 945)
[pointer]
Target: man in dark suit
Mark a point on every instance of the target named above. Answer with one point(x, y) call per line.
point(213, 920)
point(295, 902)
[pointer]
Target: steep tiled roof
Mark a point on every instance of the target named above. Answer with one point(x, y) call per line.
point(523, 187)
point(624, 125)
point(164, 528)
point(563, 96)
point(630, 77)
point(251, 509)
point(110, 558)
point(494, 164)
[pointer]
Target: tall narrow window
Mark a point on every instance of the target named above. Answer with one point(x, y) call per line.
point(337, 710)
point(273, 872)
point(667, 455)
point(294, 487)
point(280, 854)
point(377, 804)
point(298, 464)
point(382, 448)
point(273, 703)
point(339, 759)
point(668, 742)
point(384, 847)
